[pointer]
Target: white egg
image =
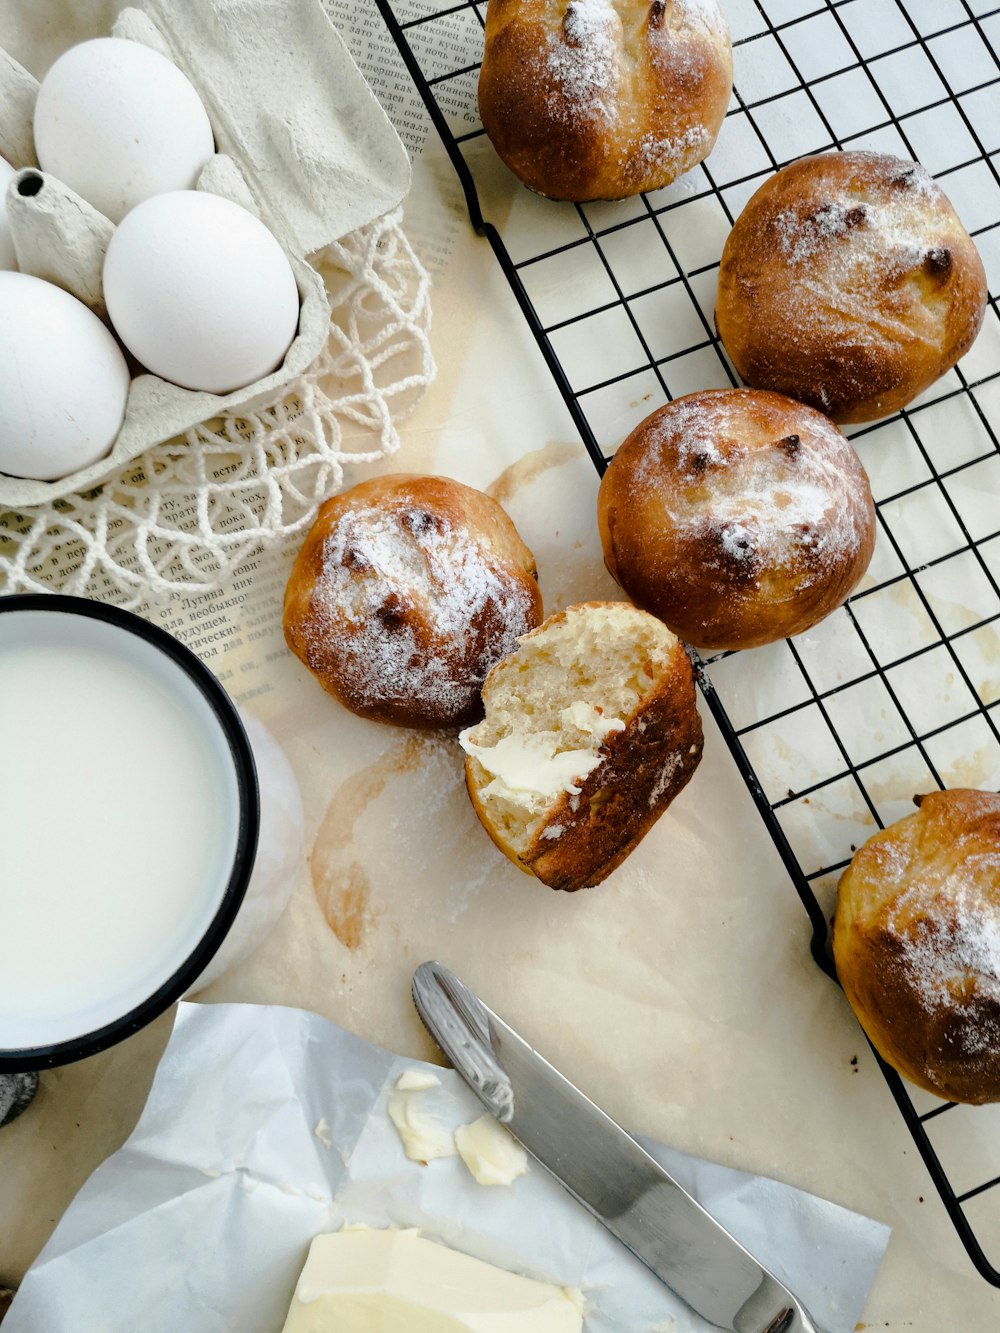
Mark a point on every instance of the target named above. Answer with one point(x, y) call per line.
point(118, 122)
point(200, 292)
point(63, 381)
point(8, 259)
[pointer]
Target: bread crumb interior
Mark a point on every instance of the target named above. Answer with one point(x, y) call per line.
point(542, 700)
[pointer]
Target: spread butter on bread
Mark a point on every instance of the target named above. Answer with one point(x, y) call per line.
point(591, 730)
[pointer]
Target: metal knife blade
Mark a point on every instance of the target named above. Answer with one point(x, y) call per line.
point(602, 1166)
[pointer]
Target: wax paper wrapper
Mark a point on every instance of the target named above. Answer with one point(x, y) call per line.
point(268, 1125)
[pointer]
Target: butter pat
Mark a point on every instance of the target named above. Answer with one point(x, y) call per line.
point(534, 763)
point(417, 1080)
point(492, 1156)
point(398, 1282)
point(423, 1136)
point(587, 718)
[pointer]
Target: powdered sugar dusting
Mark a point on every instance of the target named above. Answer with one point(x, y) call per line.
point(879, 218)
point(942, 956)
point(665, 777)
point(847, 235)
point(944, 921)
point(950, 932)
point(585, 58)
point(802, 239)
point(654, 153)
point(582, 60)
point(413, 609)
point(770, 502)
point(738, 539)
point(704, 13)
point(694, 426)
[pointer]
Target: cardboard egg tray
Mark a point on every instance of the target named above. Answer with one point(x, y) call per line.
point(301, 141)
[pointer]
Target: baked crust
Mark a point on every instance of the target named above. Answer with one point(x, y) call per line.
point(584, 837)
point(917, 944)
point(406, 591)
point(600, 99)
point(737, 516)
point(849, 282)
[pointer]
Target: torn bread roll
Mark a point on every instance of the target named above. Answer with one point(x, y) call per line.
point(601, 99)
point(406, 591)
point(917, 944)
point(591, 730)
point(849, 282)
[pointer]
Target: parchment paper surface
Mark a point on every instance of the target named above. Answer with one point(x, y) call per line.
point(267, 1125)
point(680, 995)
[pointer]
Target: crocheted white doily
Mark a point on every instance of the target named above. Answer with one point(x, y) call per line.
point(185, 513)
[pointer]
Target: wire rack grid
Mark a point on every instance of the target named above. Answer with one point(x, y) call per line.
point(897, 692)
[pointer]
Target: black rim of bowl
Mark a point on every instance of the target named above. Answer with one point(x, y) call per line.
point(76, 1048)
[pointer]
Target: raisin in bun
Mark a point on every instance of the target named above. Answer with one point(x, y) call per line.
point(589, 99)
point(736, 516)
point(917, 944)
point(849, 282)
point(405, 593)
point(591, 730)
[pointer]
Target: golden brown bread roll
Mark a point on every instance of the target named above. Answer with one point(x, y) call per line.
point(736, 516)
point(595, 99)
point(917, 944)
point(848, 282)
point(591, 730)
point(406, 591)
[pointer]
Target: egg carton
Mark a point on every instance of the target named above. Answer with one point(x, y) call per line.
point(302, 143)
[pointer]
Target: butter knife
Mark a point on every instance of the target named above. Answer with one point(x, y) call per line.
point(602, 1166)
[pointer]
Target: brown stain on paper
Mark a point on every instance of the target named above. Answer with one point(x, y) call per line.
point(977, 769)
point(528, 468)
point(345, 904)
point(341, 885)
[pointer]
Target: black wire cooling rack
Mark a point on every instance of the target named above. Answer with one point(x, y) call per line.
point(897, 692)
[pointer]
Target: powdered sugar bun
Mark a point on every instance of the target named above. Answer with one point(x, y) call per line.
point(849, 282)
point(737, 516)
point(599, 99)
point(917, 944)
point(405, 593)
